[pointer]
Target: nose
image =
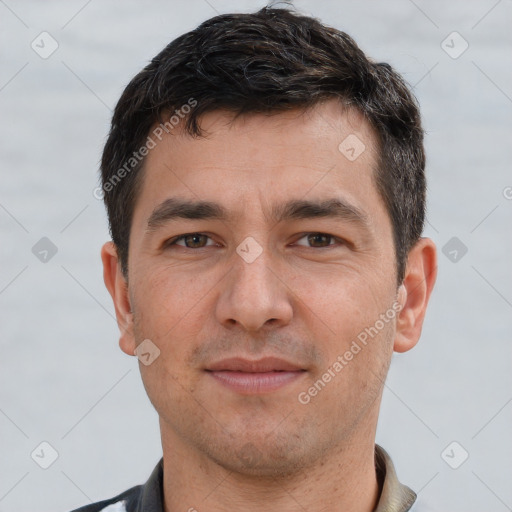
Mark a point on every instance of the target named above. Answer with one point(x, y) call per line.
point(254, 295)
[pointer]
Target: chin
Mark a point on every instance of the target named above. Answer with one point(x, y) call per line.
point(268, 456)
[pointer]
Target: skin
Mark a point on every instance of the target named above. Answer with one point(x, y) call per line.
point(302, 299)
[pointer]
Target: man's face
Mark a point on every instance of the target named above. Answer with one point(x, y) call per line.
point(260, 284)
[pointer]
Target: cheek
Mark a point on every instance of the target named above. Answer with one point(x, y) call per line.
point(158, 314)
point(166, 298)
point(357, 341)
point(355, 375)
point(343, 304)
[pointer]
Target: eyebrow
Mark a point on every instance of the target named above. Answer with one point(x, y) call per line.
point(297, 209)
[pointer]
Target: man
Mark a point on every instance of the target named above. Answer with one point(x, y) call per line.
point(265, 188)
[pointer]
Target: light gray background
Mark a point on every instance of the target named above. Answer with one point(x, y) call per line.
point(63, 378)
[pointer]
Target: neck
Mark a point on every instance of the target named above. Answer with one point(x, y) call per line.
point(345, 479)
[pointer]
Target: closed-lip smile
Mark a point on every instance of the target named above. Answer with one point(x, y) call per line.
point(249, 377)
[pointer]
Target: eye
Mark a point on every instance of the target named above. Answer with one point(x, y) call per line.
point(190, 241)
point(320, 240)
point(199, 240)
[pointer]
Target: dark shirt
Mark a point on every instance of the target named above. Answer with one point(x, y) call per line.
point(394, 496)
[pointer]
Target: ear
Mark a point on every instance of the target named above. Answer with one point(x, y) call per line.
point(414, 293)
point(118, 288)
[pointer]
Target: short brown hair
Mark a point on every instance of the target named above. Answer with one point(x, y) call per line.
point(266, 62)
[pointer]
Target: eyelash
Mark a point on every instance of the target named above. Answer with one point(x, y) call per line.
point(174, 241)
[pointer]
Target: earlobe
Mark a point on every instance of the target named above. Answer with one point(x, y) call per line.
point(118, 288)
point(414, 293)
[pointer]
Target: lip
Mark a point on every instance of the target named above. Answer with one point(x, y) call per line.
point(266, 364)
point(251, 377)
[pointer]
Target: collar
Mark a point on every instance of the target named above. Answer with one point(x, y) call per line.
point(394, 496)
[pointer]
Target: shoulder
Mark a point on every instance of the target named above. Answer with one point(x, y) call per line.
point(124, 502)
point(140, 498)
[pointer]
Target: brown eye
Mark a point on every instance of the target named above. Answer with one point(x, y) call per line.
point(319, 240)
point(191, 241)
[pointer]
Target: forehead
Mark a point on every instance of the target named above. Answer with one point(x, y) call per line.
point(254, 163)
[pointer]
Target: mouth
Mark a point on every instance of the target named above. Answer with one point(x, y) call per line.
point(251, 377)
